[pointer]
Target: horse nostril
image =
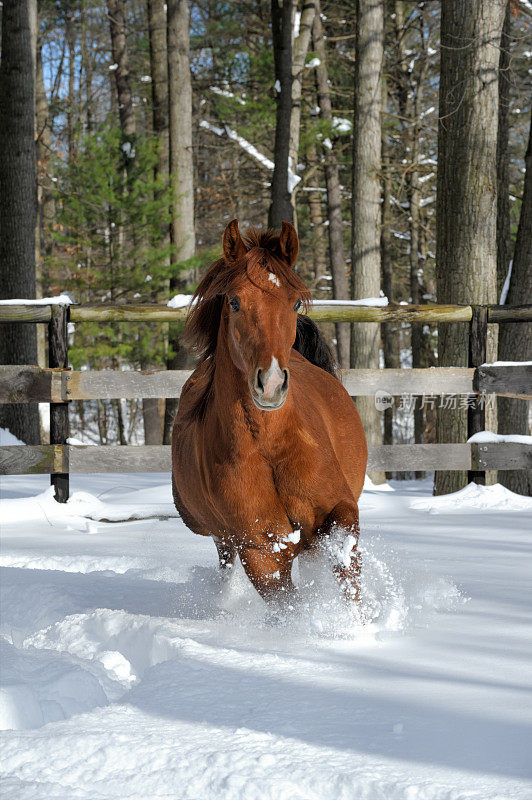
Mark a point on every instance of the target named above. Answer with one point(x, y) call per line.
point(260, 385)
point(285, 382)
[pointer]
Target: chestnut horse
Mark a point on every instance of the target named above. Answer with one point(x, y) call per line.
point(268, 450)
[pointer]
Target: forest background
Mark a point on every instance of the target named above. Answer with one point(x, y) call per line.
point(392, 133)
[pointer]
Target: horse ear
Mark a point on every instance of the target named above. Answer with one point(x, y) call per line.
point(289, 243)
point(234, 247)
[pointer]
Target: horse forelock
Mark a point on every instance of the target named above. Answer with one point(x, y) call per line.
point(263, 253)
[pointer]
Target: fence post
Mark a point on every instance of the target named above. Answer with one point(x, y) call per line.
point(58, 358)
point(476, 414)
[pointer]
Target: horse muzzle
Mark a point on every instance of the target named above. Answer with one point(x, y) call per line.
point(269, 388)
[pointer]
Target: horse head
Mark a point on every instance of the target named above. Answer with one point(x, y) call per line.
point(260, 309)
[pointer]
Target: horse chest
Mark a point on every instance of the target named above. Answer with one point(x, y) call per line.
point(257, 493)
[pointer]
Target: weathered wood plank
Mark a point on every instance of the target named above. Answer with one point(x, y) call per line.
point(501, 455)
point(510, 313)
point(436, 381)
point(114, 458)
point(58, 359)
point(169, 383)
point(476, 413)
point(32, 384)
point(392, 313)
point(401, 457)
point(129, 313)
point(512, 381)
point(44, 459)
point(319, 311)
point(29, 459)
point(20, 313)
point(158, 313)
point(21, 384)
point(109, 384)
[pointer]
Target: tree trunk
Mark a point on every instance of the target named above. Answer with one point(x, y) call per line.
point(117, 24)
point(281, 206)
point(45, 191)
point(181, 172)
point(390, 340)
point(334, 197)
point(414, 199)
point(466, 226)
point(152, 409)
point(18, 343)
point(515, 338)
point(180, 127)
point(503, 179)
point(301, 45)
point(159, 83)
point(366, 198)
point(319, 254)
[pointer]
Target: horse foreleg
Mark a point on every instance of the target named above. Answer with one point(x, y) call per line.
point(226, 556)
point(270, 573)
point(342, 531)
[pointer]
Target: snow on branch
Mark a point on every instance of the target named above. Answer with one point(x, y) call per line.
point(250, 149)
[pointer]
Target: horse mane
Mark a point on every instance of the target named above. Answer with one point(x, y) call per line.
point(311, 343)
point(203, 321)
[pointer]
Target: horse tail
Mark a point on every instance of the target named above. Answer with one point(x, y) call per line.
point(312, 345)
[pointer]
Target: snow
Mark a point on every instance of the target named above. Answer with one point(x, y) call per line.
point(227, 93)
point(250, 149)
point(297, 23)
point(488, 436)
point(274, 279)
point(480, 498)
point(342, 125)
point(508, 364)
point(63, 299)
point(313, 63)
point(7, 438)
point(129, 152)
point(179, 301)
point(506, 285)
point(130, 671)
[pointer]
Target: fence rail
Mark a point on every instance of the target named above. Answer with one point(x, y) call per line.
point(321, 311)
point(23, 384)
point(59, 385)
point(68, 459)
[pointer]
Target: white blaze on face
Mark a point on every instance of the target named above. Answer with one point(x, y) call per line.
point(272, 378)
point(274, 279)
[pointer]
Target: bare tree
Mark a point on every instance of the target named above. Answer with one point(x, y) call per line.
point(181, 170)
point(366, 197)
point(281, 206)
point(334, 196)
point(503, 178)
point(152, 408)
point(18, 343)
point(467, 183)
point(515, 339)
point(300, 50)
point(117, 25)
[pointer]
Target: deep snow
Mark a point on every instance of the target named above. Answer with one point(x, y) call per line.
point(130, 672)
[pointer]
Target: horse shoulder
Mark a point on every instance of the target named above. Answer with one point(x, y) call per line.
point(331, 416)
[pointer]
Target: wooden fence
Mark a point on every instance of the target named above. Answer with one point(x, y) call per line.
point(58, 386)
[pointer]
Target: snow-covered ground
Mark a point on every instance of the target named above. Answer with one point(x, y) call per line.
point(130, 672)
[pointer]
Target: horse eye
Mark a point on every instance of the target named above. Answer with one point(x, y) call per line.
point(297, 305)
point(234, 303)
